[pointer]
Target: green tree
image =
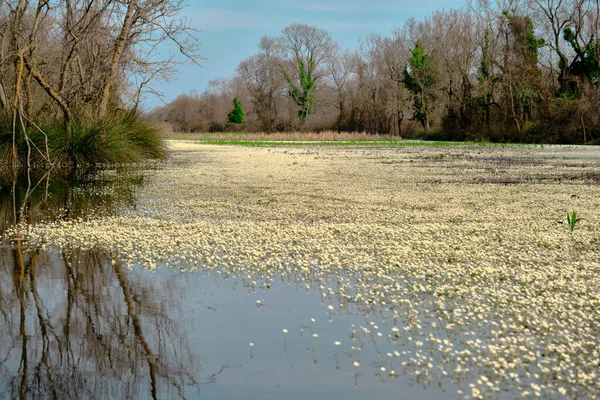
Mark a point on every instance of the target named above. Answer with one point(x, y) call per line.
point(587, 61)
point(236, 116)
point(304, 50)
point(421, 77)
point(303, 95)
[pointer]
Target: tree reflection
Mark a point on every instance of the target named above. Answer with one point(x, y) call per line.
point(77, 324)
point(54, 195)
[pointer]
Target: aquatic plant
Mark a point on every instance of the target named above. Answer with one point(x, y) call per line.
point(572, 220)
point(453, 276)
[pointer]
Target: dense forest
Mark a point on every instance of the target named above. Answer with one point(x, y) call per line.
point(513, 70)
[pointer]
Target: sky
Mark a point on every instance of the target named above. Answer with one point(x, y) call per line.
point(230, 30)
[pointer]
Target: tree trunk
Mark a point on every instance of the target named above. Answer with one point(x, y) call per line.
point(120, 44)
point(137, 326)
point(399, 118)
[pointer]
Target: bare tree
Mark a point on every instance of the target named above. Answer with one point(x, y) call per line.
point(497, 69)
point(305, 49)
point(395, 56)
point(262, 77)
point(144, 26)
point(341, 65)
point(452, 37)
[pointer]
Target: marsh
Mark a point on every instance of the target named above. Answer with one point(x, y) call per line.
point(441, 272)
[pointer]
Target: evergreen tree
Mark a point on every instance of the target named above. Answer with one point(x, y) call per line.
point(236, 116)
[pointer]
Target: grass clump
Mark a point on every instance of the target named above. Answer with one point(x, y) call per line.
point(125, 137)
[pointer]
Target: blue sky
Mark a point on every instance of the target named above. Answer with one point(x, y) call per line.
point(231, 29)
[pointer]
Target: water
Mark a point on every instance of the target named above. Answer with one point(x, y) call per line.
point(80, 324)
point(452, 271)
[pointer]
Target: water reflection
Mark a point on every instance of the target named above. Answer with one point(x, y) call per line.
point(79, 324)
point(75, 324)
point(34, 197)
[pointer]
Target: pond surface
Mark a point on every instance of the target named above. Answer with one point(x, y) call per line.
point(234, 273)
point(76, 323)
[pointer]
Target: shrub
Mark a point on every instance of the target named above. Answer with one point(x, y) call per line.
point(236, 116)
point(125, 137)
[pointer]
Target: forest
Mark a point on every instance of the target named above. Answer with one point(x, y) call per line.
point(505, 71)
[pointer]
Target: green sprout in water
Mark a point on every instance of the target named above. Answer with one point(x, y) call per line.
point(572, 220)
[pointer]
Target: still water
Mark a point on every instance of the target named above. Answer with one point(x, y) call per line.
point(80, 324)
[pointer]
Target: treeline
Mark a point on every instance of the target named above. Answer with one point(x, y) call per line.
point(522, 70)
point(72, 73)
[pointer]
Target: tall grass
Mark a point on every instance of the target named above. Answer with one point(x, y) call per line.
point(326, 136)
point(335, 143)
point(323, 138)
point(123, 138)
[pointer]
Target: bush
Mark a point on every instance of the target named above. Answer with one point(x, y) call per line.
point(236, 116)
point(125, 137)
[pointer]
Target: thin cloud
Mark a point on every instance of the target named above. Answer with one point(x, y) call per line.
point(214, 19)
point(220, 19)
point(374, 6)
point(329, 7)
point(339, 15)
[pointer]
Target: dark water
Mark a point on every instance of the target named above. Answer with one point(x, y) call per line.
point(50, 196)
point(78, 324)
